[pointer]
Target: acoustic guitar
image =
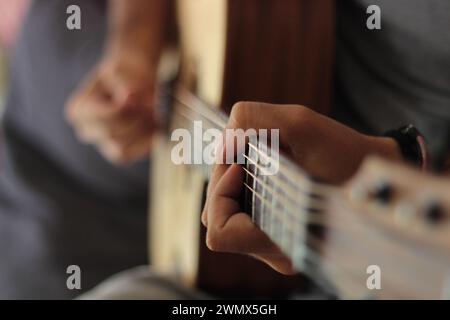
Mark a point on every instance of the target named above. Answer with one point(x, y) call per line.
point(232, 50)
point(384, 234)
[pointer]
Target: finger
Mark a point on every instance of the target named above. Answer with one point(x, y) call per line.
point(76, 106)
point(131, 145)
point(230, 229)
point(87, 128)
point(137, 140)
point(138, 150)
point(256, 115)
point(122, 127)
point(226, 189)
point(226, 222)
point(97, 103)
point(247, 115)
point(127, 91)
point(216, 215)
point(277, 261)
point(233, 231)
point(92, 114)
point(217, 173)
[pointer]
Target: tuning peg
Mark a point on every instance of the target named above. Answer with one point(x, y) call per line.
point(434, 212)
point(383, 192)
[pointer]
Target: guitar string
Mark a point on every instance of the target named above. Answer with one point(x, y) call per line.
point(315, 203)
point(312, 204)
point(307, 249)
point(318, 188)
point(311, 185)
point(300, 182)
point(306, 196)
point(302, 248)
point(297, 214)
point(182, 94)
point(294, 211)
point(305, 218)
point(221, 125)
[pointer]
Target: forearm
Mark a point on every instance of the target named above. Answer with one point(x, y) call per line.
point(138, 26)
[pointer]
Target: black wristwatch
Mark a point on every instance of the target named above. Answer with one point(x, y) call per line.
point(412, 145)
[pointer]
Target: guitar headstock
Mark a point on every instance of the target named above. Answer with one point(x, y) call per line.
point(388, 234)
point(406, 194)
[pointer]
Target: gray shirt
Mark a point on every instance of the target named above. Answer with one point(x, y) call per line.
point(397, 75)
point(61, 203)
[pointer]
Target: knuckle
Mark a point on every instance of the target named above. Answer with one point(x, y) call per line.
point(239, 106)
point(240, 111)
point(297, 119)
point(300, 113)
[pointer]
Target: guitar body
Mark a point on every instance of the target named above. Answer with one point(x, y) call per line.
point(264, 50)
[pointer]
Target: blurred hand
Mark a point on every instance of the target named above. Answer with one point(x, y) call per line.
point(113, 108)
point(320, 145)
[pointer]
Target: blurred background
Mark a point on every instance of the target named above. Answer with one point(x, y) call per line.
point(3, 78)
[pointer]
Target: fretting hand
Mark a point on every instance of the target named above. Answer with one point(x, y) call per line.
point(320, 145)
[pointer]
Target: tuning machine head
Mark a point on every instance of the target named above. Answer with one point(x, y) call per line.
point(434, 212)
point(383, 192)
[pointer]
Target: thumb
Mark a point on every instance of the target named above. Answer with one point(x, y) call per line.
point(246, 121)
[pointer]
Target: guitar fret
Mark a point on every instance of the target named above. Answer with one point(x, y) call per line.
point(277, 222)
point(299, 236)
point(284, 231)
point(264, 210)
point(269, 214)
point(256, 208)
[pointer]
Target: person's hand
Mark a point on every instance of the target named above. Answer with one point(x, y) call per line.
point(320, 145)
point(113, 108)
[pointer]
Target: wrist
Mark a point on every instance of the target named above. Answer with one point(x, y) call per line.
point(143, 58)
point(137, 31)
point(131, 57)
point(136, 43)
